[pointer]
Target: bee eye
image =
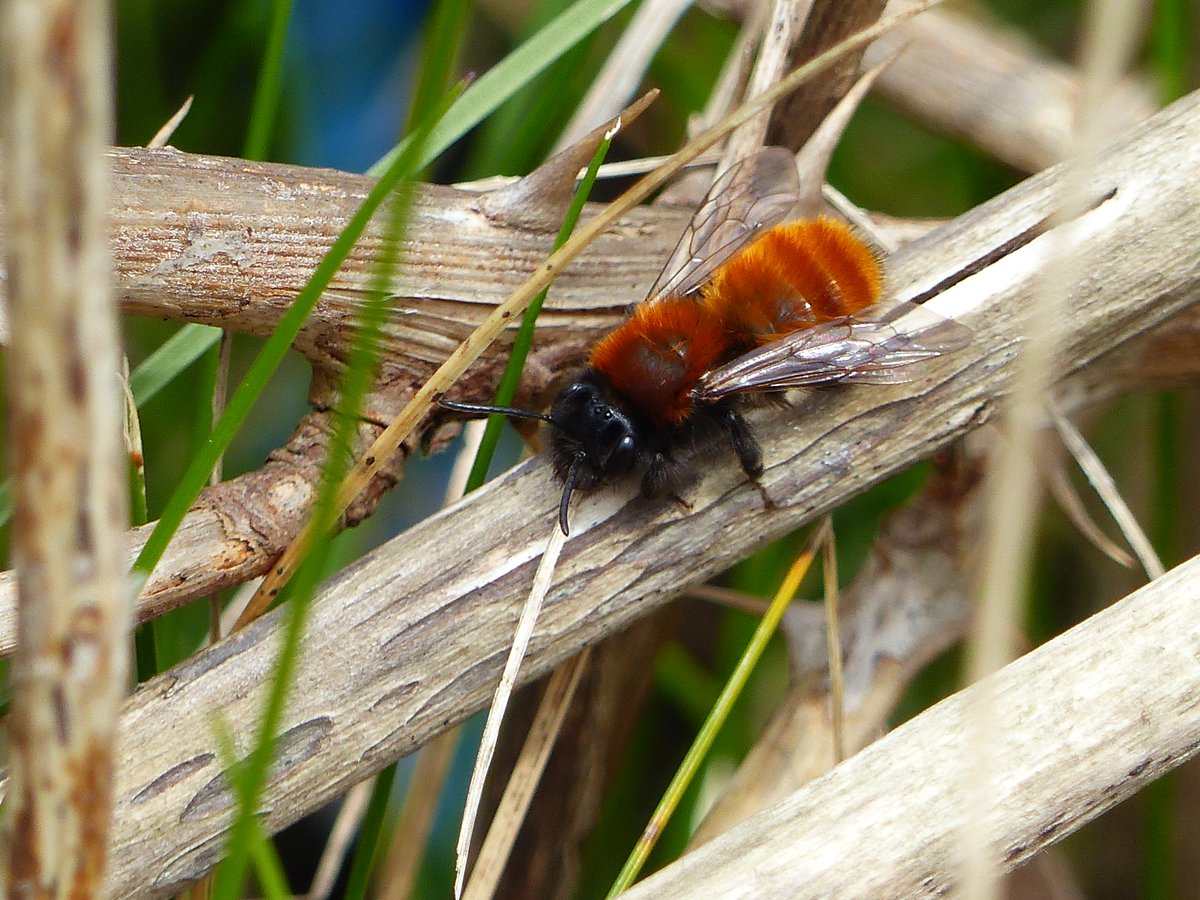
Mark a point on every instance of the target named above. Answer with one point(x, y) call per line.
point(623, 456)
point(576, 394)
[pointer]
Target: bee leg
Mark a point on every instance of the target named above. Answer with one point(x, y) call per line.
point(745, 445)
point(679, 501)
point(660, 480)
point(657, 480)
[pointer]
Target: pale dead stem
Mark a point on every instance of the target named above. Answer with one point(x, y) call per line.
point(66, 449)
point(1073, 744)
point(1110, 36)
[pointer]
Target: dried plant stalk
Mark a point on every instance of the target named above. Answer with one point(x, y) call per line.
point(66, 449)
point(1076, 735)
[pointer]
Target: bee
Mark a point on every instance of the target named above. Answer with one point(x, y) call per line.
point(749, 301)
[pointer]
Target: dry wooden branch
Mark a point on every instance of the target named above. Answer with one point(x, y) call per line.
point(68, 460)
point(1082, 723)
point(408, 640)
point(982, 83)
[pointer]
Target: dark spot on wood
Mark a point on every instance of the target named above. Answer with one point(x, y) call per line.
point(85, 539)
point(992, 256)
point(172, 777)
point(62, 49)
point(24, 861)
point(293, 747)
point(397, 696)
point(370, 460)
point(76, 374)
point(62, 719)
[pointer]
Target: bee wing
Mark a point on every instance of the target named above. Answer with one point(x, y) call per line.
point(748, 197)
point(848, 350)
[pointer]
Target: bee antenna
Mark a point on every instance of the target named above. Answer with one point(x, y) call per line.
point(568, 487)
point(484, 410)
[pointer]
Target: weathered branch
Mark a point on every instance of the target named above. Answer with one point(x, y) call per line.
point(1075, 734)
point(409, 639)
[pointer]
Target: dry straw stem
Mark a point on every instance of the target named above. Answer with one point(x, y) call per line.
point(409, 640)
point(1076, 733)
point(66, 449)
point(1109, 38)
point(488, 866)
point(980, 81)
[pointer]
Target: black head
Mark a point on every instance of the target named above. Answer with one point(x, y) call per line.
point(593, 439)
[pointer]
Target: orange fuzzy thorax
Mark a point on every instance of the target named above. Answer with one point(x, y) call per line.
point(656, 357)
point(794, 276)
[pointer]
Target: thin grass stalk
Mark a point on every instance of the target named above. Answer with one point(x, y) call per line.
point(337, 844)
point(440, 44)
point(369, 834)
point(720, 711)
point(504, 79)
point(360, 372)
point(526, 774)
point(506, 390)
point(495, 716)
point(264, 111)
point(833, 646)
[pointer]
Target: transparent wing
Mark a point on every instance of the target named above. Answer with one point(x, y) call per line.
point(748, 197)
point(849, 350)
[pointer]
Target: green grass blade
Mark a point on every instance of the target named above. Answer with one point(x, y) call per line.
point(1169, 39)
point(266, 92)
point(360, 373)
point(268, 868)
point(369, 834)
point(508, 76)
point(511, 378)
point(175, 354)
point(440, 45)
point(267, 865)
point(516, 137)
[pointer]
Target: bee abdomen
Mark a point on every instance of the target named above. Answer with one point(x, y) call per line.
point(795, 276)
